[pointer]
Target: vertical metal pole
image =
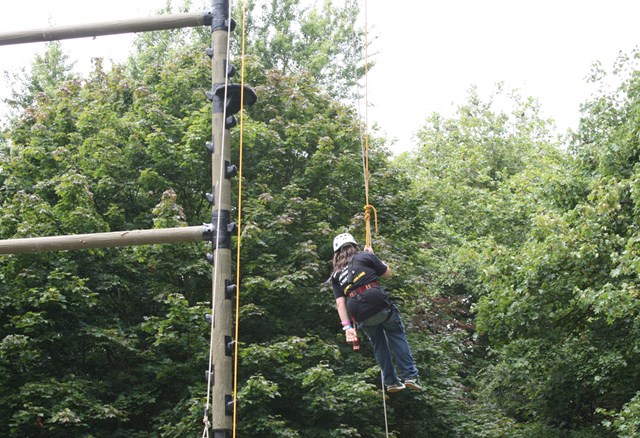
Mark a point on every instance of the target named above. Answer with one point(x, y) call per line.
point(223, 365)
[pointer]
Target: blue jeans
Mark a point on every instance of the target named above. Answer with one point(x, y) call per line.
point(389, 341)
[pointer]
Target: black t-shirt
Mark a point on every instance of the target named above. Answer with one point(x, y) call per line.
point(366, 268)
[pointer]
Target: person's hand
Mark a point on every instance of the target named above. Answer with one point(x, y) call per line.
point(352, 335)
point(367, 248)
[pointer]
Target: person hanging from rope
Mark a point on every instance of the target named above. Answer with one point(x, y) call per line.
point(359, 295)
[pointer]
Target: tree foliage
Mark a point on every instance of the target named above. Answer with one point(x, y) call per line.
point(297, 37)
point(113, 342)
point(561, 312)
point(515, 257)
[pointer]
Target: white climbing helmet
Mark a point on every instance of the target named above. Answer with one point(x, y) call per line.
point(343, 239)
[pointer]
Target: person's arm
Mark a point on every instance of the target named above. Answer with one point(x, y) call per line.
point(387, 273)
point(341, 307)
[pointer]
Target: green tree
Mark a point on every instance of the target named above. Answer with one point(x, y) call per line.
point(561, 310)
point(477, 181)
point(295, 37)
point(104, 342)
point(113, 342)
point(47, 72)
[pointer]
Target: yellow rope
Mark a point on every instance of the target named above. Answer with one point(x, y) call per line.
point(367, 221)
point(238, 245)
point(368, 207)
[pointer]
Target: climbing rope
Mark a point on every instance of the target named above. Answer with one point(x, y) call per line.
point(384, 405)
point(239, 222)
point(218, 196)
point(367, 207)
point(365, 163)
point(367, 221)
point(364, 146)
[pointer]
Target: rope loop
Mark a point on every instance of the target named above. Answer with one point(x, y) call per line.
point(367, 220)
point(367, 215)
point(207, 425)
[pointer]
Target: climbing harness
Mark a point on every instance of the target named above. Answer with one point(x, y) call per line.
point(361, 289)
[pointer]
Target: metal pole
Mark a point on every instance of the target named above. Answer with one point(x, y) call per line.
point(147, 24)
point(222, 390)
point(106, 240)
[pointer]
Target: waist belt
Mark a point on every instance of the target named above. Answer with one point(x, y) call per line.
point(361, 289)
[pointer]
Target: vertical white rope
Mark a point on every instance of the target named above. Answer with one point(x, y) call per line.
point(364, 161)
point(358, 102)
point(384, 404)
point(366, 110)
point(217, 198)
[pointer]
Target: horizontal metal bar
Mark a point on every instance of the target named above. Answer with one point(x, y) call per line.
point(146, 24)
point(105, 240)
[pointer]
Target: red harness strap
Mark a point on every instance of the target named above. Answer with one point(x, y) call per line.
point(361, 289)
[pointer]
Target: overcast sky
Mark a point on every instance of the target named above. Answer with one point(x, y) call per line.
point(427, 53)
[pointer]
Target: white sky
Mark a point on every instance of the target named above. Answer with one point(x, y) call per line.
point(428, 53)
